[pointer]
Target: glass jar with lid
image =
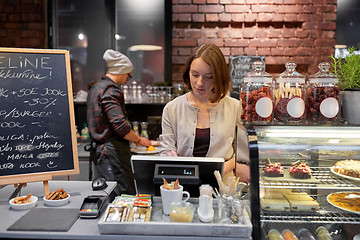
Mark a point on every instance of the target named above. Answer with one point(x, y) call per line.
point(144, 133)
point(289, 95)
point(256, 95)
point(323, 96)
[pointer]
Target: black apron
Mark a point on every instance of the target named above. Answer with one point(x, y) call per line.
point(112, 161)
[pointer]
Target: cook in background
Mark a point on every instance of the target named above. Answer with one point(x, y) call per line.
point(109, 129)
point(202, 122)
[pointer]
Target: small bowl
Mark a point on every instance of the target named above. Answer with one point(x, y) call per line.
point(55, 203)
point(181, 212)
point(24, 206)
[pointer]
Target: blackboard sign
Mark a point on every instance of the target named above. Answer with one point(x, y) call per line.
point(37, 125)
point(239, 66)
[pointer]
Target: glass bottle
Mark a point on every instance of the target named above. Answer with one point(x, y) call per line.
point(139, 94)
point(85, 133)
point(323, 96)
point(133, 91)
point(144, 132)
point(289, 96)
point(169, 95)
point(156, 95)
point(162, 94)
point(136, 127)
point(126, 93)
point(256, 95)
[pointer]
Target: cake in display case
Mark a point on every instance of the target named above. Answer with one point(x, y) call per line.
point(305, 181)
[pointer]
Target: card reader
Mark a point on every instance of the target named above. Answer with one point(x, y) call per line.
point(93, 205)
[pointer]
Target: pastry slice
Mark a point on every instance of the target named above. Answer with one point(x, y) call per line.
point(274, 204)
point(304, 206)
point(302, 196)
point(276, 193)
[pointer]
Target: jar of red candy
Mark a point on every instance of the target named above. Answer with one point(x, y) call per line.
point(256, 95)
point(323, 96)
point(289, 96)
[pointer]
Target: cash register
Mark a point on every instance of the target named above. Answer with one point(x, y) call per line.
point(192, 172)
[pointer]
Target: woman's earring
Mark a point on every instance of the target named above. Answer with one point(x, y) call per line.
point(213, 90)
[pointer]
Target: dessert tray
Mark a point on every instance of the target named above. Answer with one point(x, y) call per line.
point(332, 170)
point(342, 208)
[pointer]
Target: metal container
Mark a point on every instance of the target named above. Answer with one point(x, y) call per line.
point(160, 225)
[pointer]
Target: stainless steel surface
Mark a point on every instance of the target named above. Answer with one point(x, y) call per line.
point(160, 225)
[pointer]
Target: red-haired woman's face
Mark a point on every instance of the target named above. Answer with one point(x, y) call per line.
point(201, 79)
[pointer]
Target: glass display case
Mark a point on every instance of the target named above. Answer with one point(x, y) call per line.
point(311, 185)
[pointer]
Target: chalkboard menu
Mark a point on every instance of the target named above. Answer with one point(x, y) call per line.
point(239, 66)
point(37, 125)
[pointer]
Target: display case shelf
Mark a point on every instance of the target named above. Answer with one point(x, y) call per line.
point(327, 180)
point(326, 214)
point(322, 217)
point(320, 147)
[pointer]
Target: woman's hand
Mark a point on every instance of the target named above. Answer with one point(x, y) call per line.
point(243, 172)
point(172, 153)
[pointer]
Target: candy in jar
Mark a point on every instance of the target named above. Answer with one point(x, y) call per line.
point(274, 234)
point(288, 235)
point(323, 96)
point(289, 95)
point(304, 234)
point(256, 95)
point(322, 234)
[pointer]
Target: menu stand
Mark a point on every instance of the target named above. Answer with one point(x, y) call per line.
point(19, 186)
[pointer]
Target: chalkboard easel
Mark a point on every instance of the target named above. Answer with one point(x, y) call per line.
point(239, 66)
point(37, 123)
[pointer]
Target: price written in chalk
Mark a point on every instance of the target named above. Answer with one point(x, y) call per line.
point(240, 66)
point(36, 131)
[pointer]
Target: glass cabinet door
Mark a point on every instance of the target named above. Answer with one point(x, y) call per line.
point(305, 179)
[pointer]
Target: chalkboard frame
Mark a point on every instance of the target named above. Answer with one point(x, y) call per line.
point(45, 176)
point(238, 80)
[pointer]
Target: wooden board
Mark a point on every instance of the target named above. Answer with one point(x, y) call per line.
point(37, 124)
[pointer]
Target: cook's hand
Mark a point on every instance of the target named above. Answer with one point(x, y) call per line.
point(172, 153)
point(243, 172)
point(144, 142)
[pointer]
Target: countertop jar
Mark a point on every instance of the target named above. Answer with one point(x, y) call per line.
point(323, 96)
point(289, 96)
point(256, 95)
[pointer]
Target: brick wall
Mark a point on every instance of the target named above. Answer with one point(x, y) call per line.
point(23, 23)
point(301, 31)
